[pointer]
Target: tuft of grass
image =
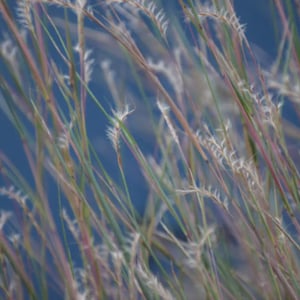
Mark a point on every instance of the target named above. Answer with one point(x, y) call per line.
point(117, 97)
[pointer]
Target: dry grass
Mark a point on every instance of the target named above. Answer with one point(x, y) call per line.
point(181, 107)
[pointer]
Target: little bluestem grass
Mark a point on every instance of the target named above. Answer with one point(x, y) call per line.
point(117, 96)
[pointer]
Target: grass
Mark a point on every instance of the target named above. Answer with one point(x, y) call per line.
point(181, 107)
